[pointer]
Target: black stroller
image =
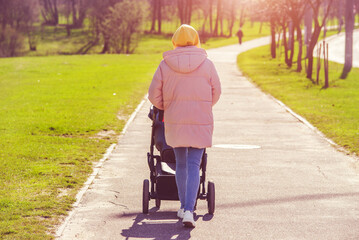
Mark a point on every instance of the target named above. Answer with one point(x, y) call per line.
point(163, 167)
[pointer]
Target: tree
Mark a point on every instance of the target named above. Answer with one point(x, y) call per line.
point(242, 16)
point(308, 25)
point(283, 22)
point(211, 16)
point(122, 26)
point(319, 22)
point(156, 16)
point(338, 13)
point(232, 18)
point(219, 15)
point(271, 10)
point(17, 18)
point(205, 9)
point(49, 12)
point(159, 16)
point(349, 27)
point(185, 11)
point(78, 11)
point(98, 10)
point(154, 5)
point(31, 12)
point(189, 11)
point(295, 9)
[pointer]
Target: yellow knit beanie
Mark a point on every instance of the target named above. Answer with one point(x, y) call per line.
point(184, 36)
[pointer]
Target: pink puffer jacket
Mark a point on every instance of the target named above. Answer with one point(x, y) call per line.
point(186, 86)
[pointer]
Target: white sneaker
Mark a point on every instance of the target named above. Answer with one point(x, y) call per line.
point(180, 213)
point(188, 220)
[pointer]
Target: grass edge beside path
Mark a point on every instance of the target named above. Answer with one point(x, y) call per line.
point(332, 111)
point(58, 116)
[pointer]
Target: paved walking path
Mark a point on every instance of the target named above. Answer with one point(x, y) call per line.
point(294, 186)
point(337, 48)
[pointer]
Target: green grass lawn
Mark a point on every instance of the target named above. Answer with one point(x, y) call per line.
point(333, 111)
point(51, 111)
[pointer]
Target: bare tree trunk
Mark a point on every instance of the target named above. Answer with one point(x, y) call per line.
point(300, 50)
point(221, 22)
point(219, 12)
point(242, 18)
point(106, 45)
point(291, 44)
point(317, 29)
point(339, 11)
point(349, 27)
point(325, 29)
point(181, 13)
point(50, 12)
point(313, 42)
point(82, 13)
point(154, 14)
point(74, 13)
point(204, 23)
point(159, 16)
point(189, 11)
point(273, 48)
point(56, 13)
point(308, 22)
point(326, 65)
point(279, 33)
point(210, 16)
point(205, 13)
point(285, 42)
point(185, 11)
point(319, 62)
point(233, 18)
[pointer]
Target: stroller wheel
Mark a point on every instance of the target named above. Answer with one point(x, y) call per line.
point(145, 196)
point(158, 203)
point(211, 197)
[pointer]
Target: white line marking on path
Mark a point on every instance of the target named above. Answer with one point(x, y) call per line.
point(236, 146)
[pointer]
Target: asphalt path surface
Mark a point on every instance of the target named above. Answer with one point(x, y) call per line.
point(336, 47)
point(275, 176)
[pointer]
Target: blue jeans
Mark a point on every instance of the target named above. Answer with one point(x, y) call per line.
point(188, 161)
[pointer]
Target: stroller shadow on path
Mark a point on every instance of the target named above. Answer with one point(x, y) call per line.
point(159, 225)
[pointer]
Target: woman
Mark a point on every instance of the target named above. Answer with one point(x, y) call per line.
point(186, 86)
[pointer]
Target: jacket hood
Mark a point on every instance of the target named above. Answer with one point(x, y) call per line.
point(184, 36)
point(185, 59)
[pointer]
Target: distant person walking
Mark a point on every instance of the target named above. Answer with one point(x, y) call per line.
point(240, 36)
point(186, 86)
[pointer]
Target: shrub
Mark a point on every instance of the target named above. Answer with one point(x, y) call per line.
point(122, 26)
point(11, 42)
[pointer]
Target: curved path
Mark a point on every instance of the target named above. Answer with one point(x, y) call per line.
point(336, 46)
point(294, 185)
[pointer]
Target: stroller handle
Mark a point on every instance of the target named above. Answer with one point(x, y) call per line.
point(159, 112)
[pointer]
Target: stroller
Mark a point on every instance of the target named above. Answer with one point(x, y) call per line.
point(163, 169)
